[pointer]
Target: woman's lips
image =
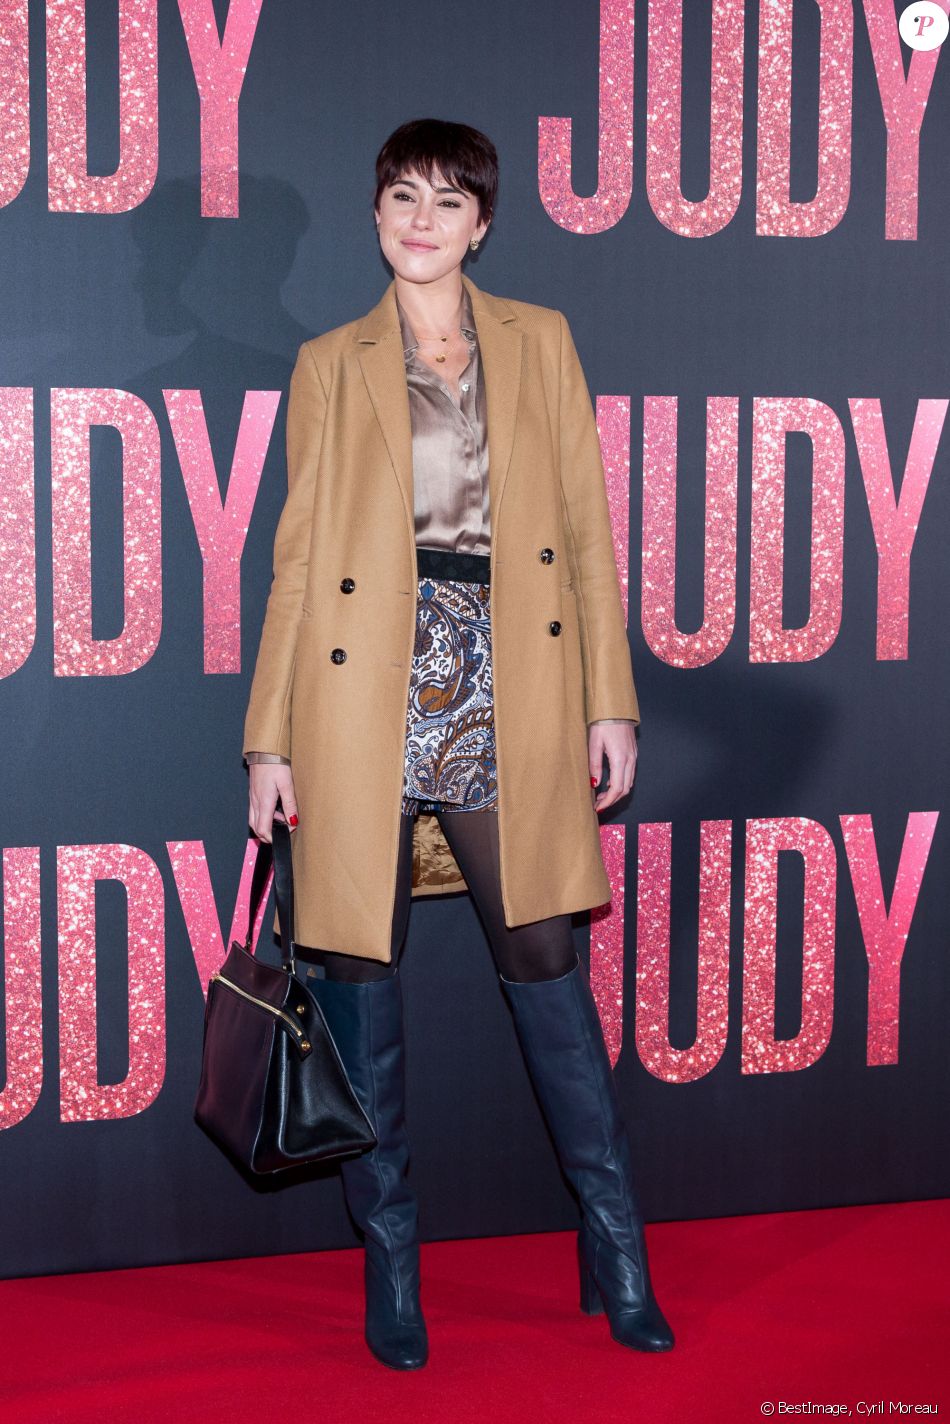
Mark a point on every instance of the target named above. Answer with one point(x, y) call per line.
point(421, 246)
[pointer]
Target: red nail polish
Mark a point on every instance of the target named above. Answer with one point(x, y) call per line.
point(593, 781)
point(293, 820)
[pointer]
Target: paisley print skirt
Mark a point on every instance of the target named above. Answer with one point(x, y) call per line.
point(450, 729)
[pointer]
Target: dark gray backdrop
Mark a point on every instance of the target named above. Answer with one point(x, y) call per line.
point(161, 298)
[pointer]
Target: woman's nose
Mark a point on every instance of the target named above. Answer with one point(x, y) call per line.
point(421, 217)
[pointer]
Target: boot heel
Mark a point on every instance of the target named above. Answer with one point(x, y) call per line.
point(591, 1302)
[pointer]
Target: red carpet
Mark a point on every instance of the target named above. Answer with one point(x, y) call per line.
point(828, 1307)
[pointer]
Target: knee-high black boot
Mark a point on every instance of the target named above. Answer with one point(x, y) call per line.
point(563, 1044)
point(366, 1021)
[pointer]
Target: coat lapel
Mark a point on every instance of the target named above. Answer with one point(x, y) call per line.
point(384, 371)
point(500, 343)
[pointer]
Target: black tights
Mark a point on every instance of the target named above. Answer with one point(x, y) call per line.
point(543, 949)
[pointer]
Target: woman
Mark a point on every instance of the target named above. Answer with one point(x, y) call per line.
point(443, 666)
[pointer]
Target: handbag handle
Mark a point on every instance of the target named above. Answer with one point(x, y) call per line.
point(279, 854)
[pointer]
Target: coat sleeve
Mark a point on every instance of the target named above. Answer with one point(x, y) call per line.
point(267, 723)
point(605, 652)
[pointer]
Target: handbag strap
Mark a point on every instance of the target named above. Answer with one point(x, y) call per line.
point(279, 854)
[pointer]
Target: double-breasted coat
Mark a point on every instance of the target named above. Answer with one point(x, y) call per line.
point(331, 683)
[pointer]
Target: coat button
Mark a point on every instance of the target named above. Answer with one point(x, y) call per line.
point(546, 556)
point(338, 655)
point(555, 628)
point(347, 585)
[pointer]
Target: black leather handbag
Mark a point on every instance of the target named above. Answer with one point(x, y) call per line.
point(274, 1092)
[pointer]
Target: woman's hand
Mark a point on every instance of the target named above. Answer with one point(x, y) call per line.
point(268, 782)
point(618, 740)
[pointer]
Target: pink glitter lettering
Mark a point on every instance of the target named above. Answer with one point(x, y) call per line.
point(762, 1052)
point(769, 641)
point(607, 941)
point(22, 972)
point(776, 214)
point(15, 104)
point(904, 103)
point(72, 188)
point(219, 67)
point(83, 1097)
point(221, 529)
point(604, 208)
point(659, 532)
point(654, 877)
point(193, 881)
point(885, 930)
point(664, 128)
point(75, 652)
point(17, 529)
point(895, 520)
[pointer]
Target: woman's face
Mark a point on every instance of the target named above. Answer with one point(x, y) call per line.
point(425, 228)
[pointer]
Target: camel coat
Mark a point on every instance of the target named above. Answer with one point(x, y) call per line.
point(331, 684)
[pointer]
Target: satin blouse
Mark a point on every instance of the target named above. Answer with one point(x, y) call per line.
point(449, 447)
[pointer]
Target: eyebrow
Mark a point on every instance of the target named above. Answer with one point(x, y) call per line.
point(411, 183)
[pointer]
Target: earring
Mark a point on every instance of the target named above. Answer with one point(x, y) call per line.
point(474, 244)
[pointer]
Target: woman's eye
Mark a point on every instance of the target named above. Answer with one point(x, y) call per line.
point(446, 202)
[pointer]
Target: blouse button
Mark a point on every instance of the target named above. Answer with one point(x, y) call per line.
point(546, 556)
point(555, 628)
point(347, 585)
point(338, 655)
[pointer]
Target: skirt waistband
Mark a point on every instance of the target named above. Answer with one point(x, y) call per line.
point(449, 564)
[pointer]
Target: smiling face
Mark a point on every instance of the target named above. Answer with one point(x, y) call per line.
point(425, 228)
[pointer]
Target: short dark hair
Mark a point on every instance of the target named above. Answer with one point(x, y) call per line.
point(464, 156)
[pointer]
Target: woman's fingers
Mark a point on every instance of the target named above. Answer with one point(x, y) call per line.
point(622, 765)
point(618, 785)
point(263, 806)
point(288, 801)
point(270, 783)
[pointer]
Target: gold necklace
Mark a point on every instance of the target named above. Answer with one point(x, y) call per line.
point(420, 340)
